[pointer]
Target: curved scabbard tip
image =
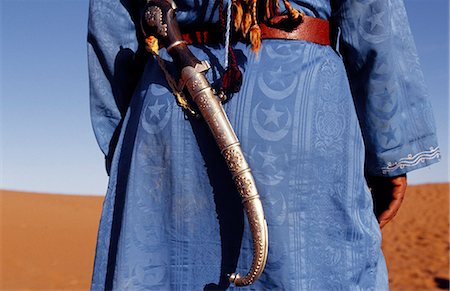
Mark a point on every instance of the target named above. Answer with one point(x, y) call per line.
point(233, 277)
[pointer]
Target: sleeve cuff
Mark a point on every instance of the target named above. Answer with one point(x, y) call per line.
point(401, 160)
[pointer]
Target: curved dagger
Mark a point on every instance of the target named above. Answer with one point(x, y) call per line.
point(158, 19)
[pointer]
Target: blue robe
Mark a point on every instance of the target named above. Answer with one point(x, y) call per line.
point(312, 120)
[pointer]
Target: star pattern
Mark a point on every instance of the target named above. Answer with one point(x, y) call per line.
point(388, 91)
point(269, 158)
point(390, 135)
point(277, 76)
point(382, 67)
point(154, 109)
point(376, 19)
point(272, 115)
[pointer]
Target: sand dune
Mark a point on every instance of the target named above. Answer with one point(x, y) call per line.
point(48, 241)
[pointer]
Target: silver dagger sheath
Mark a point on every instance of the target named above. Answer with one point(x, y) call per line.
point(158, 19)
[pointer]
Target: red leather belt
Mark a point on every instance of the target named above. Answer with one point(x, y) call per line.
point(311, 29)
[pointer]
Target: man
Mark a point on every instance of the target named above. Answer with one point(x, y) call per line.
point(313, 120)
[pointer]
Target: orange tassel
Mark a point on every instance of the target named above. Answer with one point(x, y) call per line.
point(255, 38)
point(293, 13)
point(151, 45)
point(246, 18)
point(267, 10)
point(237, 13)
point(246, 23)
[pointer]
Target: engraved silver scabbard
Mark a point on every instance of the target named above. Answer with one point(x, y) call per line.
point(158, 20)
point(212, 111)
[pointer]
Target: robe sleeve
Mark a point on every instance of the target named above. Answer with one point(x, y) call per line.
point(387, 85)
point(115, 64)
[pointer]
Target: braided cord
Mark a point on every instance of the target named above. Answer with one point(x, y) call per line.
point(229, 54)
point(228, 34)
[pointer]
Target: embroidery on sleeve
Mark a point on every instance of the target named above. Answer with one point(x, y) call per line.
point(411, 160)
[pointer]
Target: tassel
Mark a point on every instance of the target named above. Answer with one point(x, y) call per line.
point(268, 11)
point(232, 79)
point(274, 8)
point(238, 13)
point(255, 31)
point(255, 38)
point(246, 23)
point(151, 45)
point(293, 13)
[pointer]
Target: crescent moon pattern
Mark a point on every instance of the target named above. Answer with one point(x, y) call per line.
point(384, 107)
point(263, 131)
point(156, 116)
point(276, 94)
point(281, 54)
point(284, 52)
point(158, 90)
point(372, 25)
point(276, 208)
point(268, 165)
point(272, 120)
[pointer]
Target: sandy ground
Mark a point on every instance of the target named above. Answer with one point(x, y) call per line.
point(416, 242)
point(48, 241)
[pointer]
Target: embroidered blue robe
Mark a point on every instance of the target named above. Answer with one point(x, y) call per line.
point(311, 121)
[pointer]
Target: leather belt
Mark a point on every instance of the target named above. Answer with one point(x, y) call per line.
point(311, 29)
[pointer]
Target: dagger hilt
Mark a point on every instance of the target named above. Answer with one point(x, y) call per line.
point(159, 20)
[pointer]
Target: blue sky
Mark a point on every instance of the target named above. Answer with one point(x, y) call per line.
point(46, 139)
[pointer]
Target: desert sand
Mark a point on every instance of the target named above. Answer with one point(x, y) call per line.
point(416, 242)
point(48, 241)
